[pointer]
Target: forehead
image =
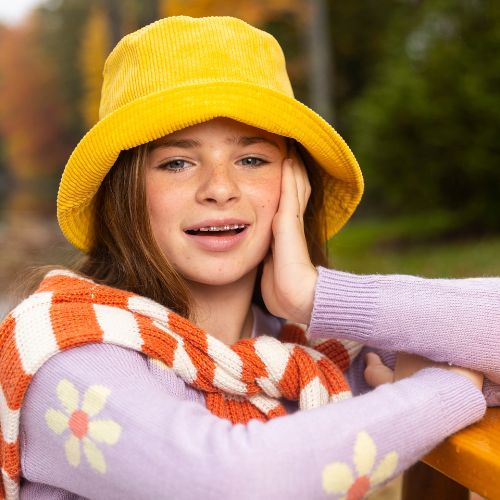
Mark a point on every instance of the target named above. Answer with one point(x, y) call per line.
point(223, 129)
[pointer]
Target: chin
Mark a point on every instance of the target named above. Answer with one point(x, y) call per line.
point(218, 277)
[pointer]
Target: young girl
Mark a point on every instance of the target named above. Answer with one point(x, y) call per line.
point(160, 368)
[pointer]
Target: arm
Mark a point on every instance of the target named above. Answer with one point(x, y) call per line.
point(444, 320)
point(155, 445)
point(452, 321)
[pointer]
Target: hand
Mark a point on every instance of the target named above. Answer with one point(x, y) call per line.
point(408, 364)
point(289, 277)
point(376, 373)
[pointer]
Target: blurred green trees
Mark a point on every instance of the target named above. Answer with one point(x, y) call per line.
point(426, 127)
point(417, 91)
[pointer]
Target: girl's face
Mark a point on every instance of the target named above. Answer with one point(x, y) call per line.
point(212, 191)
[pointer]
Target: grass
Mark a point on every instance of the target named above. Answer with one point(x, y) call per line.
point(410, 246)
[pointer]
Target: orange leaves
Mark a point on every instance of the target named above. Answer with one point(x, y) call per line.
point(30, 109)
point(257, 12)
point(51, 70)
point(93, 52)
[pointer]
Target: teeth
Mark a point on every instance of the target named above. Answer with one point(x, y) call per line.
point(222, 228)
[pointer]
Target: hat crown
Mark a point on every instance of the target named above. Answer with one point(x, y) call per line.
point(181, 51)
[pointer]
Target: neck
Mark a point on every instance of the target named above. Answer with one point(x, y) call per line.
point(224, 311)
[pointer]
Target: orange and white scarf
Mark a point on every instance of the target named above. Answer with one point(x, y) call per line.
point(243, 381)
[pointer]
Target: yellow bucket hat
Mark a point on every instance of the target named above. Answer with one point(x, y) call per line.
point(182, 71)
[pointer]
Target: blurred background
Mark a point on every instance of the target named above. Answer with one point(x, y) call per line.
point(413, 86)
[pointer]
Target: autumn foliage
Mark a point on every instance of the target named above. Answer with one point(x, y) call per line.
point(414, 87)
point(256, 12)
point(93, 51)
point(49, 86)
point(31, 113)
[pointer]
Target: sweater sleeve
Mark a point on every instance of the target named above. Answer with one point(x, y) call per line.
point(95, 424)
point(446, 320)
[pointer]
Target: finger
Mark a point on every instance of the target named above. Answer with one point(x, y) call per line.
point(267, 281)
point(373, 359)
point(302, 181)
point(300, 178)
point(376, 373)
point(289, 203)
point(268, 263)
point(307, 194)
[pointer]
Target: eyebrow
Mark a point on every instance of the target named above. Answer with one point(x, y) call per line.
point(192, 143)
point(179, 143)
point(248, 141)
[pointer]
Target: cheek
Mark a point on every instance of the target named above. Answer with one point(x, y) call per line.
point(162, 204)
point(267, 198)
point(154, 203)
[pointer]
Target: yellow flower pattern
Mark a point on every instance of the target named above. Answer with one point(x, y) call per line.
point(84, 430)
point(338, 477)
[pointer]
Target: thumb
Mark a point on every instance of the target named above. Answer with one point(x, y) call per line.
point(376, 373)
point(267, 279)
point(372, 360)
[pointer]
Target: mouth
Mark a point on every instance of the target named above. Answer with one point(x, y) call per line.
point(217, 231)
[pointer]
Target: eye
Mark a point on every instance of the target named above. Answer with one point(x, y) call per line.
point(174, 165)
point(252, 161)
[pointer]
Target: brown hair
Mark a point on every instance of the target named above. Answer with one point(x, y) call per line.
point(125, 254)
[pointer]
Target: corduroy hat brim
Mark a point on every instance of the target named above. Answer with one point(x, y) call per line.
point(160, 113)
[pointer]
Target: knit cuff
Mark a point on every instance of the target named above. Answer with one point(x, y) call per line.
point(344, 305)
point(462, 402)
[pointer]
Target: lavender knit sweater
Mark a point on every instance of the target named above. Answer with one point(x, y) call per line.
point(104, 422)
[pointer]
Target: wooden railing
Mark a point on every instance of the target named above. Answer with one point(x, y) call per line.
point(468, 460)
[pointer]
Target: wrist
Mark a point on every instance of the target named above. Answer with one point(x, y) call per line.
point(310, 287)
point(475, 377)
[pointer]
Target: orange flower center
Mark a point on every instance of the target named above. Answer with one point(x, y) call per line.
point(79, 423)
point(359, 489)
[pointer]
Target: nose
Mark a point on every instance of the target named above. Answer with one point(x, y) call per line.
point(218, 184)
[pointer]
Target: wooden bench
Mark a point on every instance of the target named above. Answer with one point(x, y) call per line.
point(468, 460)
